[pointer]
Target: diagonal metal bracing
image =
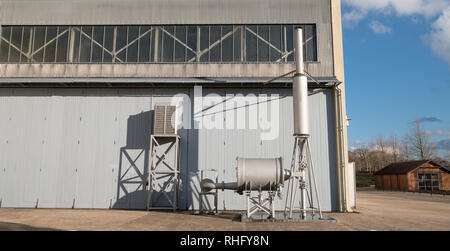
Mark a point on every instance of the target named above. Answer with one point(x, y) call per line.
point(49, 42)
point(163, 157)
point(176, 39)
point(164, 192)
point(262, 39)
point(114, 55)
point(30, 54)
point(286, 54)
point(257, 206)
point(134, 41)
point(201, 53)
point(132, 163)
point(15, 47)
point(156, 174)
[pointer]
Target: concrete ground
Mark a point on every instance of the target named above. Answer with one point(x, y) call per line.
point(377, 210)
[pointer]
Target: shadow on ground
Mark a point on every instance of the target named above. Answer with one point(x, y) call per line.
point(7, 226)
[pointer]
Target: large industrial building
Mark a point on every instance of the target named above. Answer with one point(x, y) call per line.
point(79, 81)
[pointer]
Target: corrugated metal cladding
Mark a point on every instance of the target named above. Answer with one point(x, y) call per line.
point(88, 148)
point(132, 12)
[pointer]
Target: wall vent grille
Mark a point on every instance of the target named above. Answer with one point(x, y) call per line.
point(164, 121)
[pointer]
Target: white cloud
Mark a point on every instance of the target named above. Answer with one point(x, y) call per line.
point(353, 17)
point(380, 28)
point(438, 132)
point(439, 38)
point(426, 8)
point(438, 11)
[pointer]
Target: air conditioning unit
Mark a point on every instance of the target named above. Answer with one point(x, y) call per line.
point(165, 120)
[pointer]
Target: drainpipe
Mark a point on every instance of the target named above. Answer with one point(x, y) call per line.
point(340, 122)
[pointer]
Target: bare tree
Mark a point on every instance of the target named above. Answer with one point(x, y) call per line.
point(363, 155)
point(381, 143)
point(421, 147)
point(395, 148)
point(378, 153)
point(381, 153)
point(405, 148)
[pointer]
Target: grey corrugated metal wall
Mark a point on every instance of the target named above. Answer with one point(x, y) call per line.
point(63, 148)
point(118, 12)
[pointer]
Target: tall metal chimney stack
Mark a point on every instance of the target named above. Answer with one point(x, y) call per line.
point(300, 89)
point(301, 158)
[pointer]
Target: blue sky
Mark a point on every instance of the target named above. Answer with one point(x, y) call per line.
point(394, 75)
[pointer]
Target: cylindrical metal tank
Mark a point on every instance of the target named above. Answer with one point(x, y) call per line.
point(260, 174)
point(300, 90)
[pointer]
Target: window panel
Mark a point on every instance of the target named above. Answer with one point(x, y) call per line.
point(144, 44)
point(180, 49)
point(237, 36)
point(311, 43)
point(275, 40)
point(97, 50)
point(192, 43)
point(133, 44)
point(227, 44)
point(263, 47)
point(122, 56)
point(428, 181)
point(204, 43)
point(38, 46)
point(168, 44)
point(50, 41)
point(76, 44)
point(26, 44)
point(215, 44)
point(85, 46)
point(289, 33)
point(16, 39)
point(251, 43)
point(63, 44)
point(5, 33)
point(108, 44)
point(121, 43)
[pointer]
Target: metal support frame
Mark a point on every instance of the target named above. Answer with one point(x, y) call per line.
point(204, 194)
point(302, 164)
point(258, 204)
point(156, 171)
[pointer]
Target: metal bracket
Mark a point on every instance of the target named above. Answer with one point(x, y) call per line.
point(258, 204)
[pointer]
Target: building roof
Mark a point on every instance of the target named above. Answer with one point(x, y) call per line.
point(445, 164)
point(404, 167)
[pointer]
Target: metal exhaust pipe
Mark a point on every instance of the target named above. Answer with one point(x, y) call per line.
point(207, 185)
point(300, 90)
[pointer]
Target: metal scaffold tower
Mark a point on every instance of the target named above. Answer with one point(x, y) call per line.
point(302, 164)
point(163, 179)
